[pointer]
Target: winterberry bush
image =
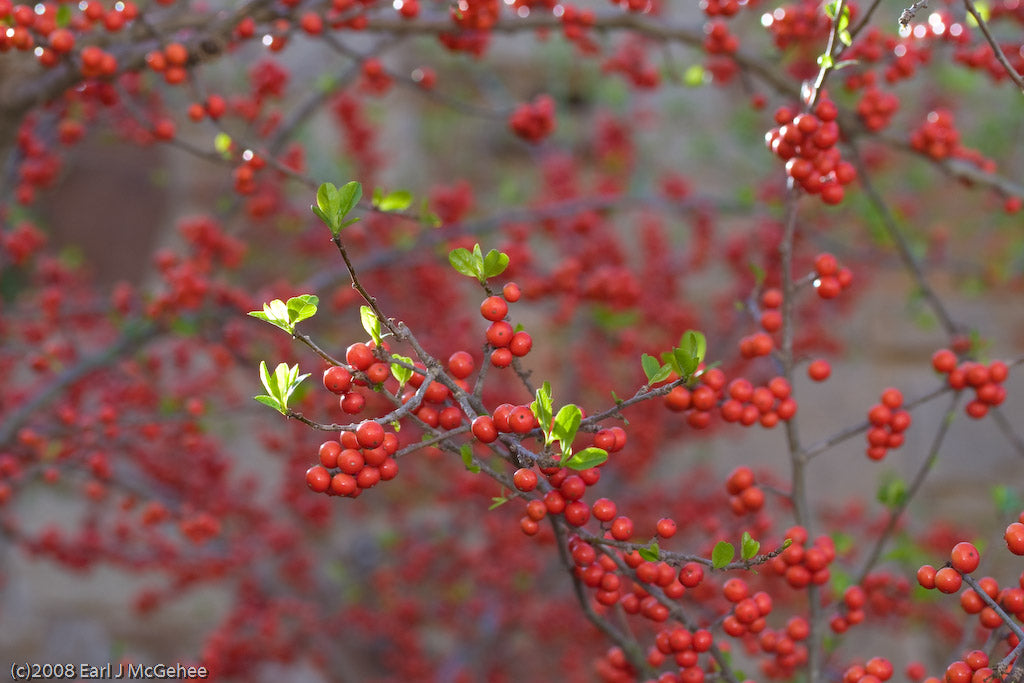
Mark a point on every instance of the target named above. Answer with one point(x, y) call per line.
point(505, 271)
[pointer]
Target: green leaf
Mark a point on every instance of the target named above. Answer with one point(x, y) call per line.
point(825, 60)
point(269, 381)
point(587, 458)
point(567, 423)
point(758, 273)
point(464, 262)
point(695, 344)
point(651, 553)
point(497, 501)
point(694, 75)
point(371, 323)
point(403, 375)
point(399, 200)
point(281, 384)
point(1006, 500)
point(495, 263)
point(722, 554)
point(348, 196)
point(334, 204)
point(655, 371)
point(892, 491)
point(542, 410)
point(270, 401)
point(302, 307)
point(748, 546)
point(222, 145)
point(275, 313)
point(63, 17)
point(467, 458)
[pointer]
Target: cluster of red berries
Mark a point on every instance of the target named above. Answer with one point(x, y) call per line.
point(1010, 599)
point(507, 342)
point(875, 669)
point(360, 460)
point(739, 401)
point(972, 668)
point(744, 495)
point(964, 559)
point(719, 41)
point(937, 137)
point(787, 646)
point(534, 121)
point(475, 15)
point(683, 646)
point(888, 423)
point(876, 107)
point(748, 611)
point(986, 380)
point(852, 611)
point(831, 279)
point(338, 379)
point(806, 142)
point(506, 419)
point(720, 8)
point(801, 564)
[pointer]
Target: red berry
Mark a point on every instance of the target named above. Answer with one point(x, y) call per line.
point(524, 479)
point(520, 344)
point(511, 292)
point(825, 264)
point(499, 334)
point(461, 364)
point(370, 434)
point(352, 402)
point(740, 479)
point(666, 527)
point(501, 358)
point(318, 478)
point(359, 356)
point(944, 361)
point(1014, 538)
point(892, 398)
point(604, 509)
point(819, 370)
point(483, 429)
point(948, 580)
point(691, 574)
point(828, 287)
point(926, 576)
point(965, 557)
point(521, 419)
point(494, 308)
point(328, 453)
point(622, 528)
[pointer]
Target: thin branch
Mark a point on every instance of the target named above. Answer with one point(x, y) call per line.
point(983, 25)
point(132, 338)
point(913, 267)
point(897, 511)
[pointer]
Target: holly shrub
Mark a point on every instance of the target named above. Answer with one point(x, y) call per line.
point(500, 275)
